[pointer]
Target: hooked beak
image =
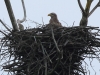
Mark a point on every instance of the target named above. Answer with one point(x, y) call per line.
point(49, 14)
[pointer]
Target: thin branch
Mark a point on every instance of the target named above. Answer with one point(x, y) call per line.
point(81, 7)
point(24, 9)
point(5, 25)
point(84, 20)
point(65, 22)
point(73, 23)
point(58, 50)
point(45, 60)
point(42, 21)
point(94, 8)
point(21, 27)
point(4, 33)
point(11, 15)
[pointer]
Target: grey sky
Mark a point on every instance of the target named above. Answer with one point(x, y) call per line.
point(67, 10)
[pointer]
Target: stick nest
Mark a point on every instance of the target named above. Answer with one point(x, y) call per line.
point(49, 51)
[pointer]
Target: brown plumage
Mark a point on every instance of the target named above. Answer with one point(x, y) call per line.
point(54, 20)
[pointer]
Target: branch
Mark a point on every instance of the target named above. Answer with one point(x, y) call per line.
point(94, 8)
point(87, 8)
point(45, 60)
point(24, 9)
point(81, 7)
point(58, 50)
point(59, 53)
point(84, 20)
point(4, 33)
point(11, 15)
point(21, 27)
point(5, 25)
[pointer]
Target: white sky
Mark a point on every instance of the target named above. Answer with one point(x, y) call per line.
point(67, 10)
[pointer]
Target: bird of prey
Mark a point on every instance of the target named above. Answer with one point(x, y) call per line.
point(54, 20)
point(21, 27)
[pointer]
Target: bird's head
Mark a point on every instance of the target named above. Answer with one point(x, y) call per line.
point(52, 15)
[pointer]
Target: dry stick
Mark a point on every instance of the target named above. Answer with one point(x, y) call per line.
point(45, 60)
point(73, 23)
point(3, 41)
point(11, 15)
point(42, 21)
point(58, 50)
point(65, 22)
point(44, 50)
point(5, 25)
point(4, 33)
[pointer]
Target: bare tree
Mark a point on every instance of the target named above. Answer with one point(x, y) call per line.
point(85, 12)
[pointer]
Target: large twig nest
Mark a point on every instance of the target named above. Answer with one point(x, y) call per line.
point(50, 50)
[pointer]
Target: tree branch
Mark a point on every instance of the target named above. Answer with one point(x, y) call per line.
point(21, 27)
point(84, 20)
point(87, 8)
point(4, 33)
point(45, 60)
point(24, 9)
point(11, 15)
point(58, 50)
point(5, 25)
point(81, 7)
point(94, 8)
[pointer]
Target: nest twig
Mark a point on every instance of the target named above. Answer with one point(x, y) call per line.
point(50, 51)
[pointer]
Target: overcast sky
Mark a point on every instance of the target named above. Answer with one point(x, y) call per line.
point(67, 11)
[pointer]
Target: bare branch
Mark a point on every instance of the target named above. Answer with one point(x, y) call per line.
point(94, 8)
point(45, 61)
point(42, 21)
point(5, 25)
point(24, 18)
point(21, 27)
point(4, 33)
point(11, 15)
point(58, 50)
point(84, 20)
point(81, 7)
point(87, 8)
point(24, 9)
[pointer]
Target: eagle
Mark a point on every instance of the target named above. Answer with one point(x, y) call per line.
point(54, 20)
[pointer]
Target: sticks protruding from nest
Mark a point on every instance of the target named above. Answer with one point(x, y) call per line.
point(39, 51)
point(5, 25)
